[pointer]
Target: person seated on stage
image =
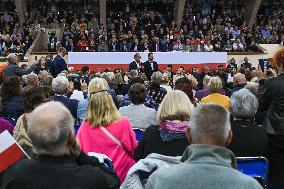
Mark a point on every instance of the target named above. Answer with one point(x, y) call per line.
point(206, 159)
point(59, 162)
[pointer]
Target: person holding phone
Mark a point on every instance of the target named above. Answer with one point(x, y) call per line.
point(271, 100)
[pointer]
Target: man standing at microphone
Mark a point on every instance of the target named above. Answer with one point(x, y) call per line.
point(136, 64)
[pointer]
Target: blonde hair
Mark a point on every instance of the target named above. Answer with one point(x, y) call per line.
point(175, 106)
point(97, 84)
point(215, 84)
point(101, 110)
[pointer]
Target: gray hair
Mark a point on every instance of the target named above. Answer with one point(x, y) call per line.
point(215, 84)
point(210, 121)
point(108, 76)
point(12, 58)
point(30, 78)
point(244, 104)
point(157, 77)
point(206, 80)
point(60, 84)
point(50, 133)
point(133, 74)
point(252, 87)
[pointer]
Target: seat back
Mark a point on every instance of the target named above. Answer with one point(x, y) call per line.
point(76, 128)
point(138, 133)
point(256, 167)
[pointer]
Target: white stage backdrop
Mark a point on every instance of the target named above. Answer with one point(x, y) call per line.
point(115, 58)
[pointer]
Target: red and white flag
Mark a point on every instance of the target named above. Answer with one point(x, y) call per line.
point(10, 151)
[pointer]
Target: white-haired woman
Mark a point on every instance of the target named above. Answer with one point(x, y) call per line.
point(249, 138)
point(215, 85)
point(105, 131)
point(169, 137)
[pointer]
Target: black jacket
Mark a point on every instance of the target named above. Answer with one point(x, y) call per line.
point(71, 104)
point(46, 172)
point(15, 70)
point(249, 139)
point(59, 65)
point(271, 98)
point(13, 107)
point(133, 66)
point(148, 68)
point(151, 142)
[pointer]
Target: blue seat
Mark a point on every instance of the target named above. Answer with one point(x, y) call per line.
point(76, 128)
point(138, 133)
point(256, 167)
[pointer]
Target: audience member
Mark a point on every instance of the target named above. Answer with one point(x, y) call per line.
point(167, 138)
point(103, 127)
point(239, 81)
point(33, 97)
point(61, 88)
point(249, 138)
point(31, 80)
point(185, 85)
point(215, 86)
point(138, 114)
point(13, 68)
point(59, 162)
point(6, 125)
point(209, 134)
point(270, 100)
point(11, 97)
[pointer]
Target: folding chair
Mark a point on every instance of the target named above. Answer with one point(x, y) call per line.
point(256, 167)
point(139, 134)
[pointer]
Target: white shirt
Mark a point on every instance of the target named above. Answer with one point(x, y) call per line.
point(78, 95)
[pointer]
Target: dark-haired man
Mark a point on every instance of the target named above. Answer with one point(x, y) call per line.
point(150, 66)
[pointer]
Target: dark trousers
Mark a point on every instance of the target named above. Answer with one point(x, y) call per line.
point(275, 150)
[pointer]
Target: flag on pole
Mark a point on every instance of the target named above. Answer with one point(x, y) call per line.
point(10, 151)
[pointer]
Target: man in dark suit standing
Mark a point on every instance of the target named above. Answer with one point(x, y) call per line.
point(136, 64)
point(150, 66)
point(59, 62)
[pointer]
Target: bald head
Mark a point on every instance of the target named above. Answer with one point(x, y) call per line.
point(50, 128)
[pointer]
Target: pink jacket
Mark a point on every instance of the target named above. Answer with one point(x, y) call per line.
point(95, 140)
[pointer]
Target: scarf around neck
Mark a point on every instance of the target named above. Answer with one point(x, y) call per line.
point(170, 130)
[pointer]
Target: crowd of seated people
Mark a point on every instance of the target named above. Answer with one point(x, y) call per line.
point(206, 26)
point(106, 118)
point(142, 27)
point(13, 37)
